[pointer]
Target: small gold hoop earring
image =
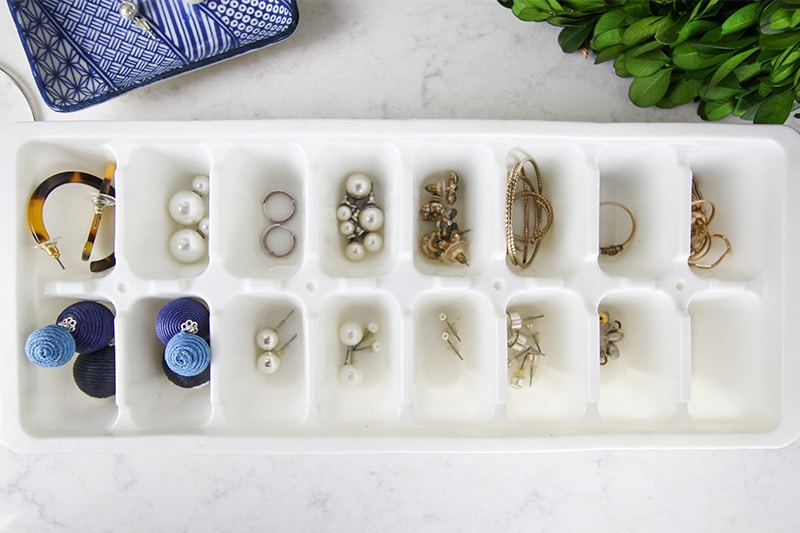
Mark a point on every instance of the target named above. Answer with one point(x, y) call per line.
point(614, 249)
point(523, 248)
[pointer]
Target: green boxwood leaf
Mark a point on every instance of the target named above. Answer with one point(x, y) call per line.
point(775, 109)
point(722, 91)
point(649, 90)
point(646, 64)
point(786, 65)
point(571, 38)
point(642, 29)
point(686, 57)
point(741, 19)
point(681, 92)
point(729, 64)
point(779, 41)
point(609, 53)
point(607, 39)
point(619, 67)
point(610, 20)
point(691, 29)
point(716, 109)
point(748, 71)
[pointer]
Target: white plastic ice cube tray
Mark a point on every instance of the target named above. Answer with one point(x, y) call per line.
point(709, 358)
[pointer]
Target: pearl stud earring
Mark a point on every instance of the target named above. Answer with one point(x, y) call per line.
point(188, 208)
point(523, 348)
point(357, 339)
point(360, 218)
point(268, 339)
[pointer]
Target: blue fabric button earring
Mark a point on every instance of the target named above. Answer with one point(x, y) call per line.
point(183, 326)
point(85, 328)
point(82, 327)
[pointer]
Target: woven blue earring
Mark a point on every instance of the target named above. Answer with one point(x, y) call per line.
point(183, 326)
point(82, 327)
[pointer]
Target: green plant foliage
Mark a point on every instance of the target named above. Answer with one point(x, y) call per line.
point(737, 58)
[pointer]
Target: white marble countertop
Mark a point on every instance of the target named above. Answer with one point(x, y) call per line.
point(393, 60)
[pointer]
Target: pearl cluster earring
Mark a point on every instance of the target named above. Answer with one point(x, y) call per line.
point(360, 218)
point(183, 326)
point(85, 328)
point(523, 348)
point(188, 245)
point(445, 243)
point(449, 333)
point(357, 339)
point(268, 339)
point(610, 335)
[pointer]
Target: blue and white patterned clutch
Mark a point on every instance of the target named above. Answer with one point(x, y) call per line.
point(83, 52)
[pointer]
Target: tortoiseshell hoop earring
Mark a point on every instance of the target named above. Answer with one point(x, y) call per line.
point(102, 199)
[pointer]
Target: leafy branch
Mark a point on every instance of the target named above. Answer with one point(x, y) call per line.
point(733, 58)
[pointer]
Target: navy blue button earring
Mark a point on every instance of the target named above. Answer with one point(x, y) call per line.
point(183, 326)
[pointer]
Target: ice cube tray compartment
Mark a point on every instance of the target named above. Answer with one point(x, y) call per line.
point(706, 357)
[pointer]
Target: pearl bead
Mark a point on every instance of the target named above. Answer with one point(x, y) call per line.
point(203, 226)
point(200, 185)
point(371, 218)
point(373, 327)
point(267, 339)
point(187, 246)
point(268, 362)
point(376, 346)
point(344, 213)
point(373, 242)
point(350, 333)
point(185, 207)
point(358, 185)
point(350, 375)
point(347, 228)
point(355, 251)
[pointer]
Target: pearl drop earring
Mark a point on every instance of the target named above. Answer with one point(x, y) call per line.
point(357, 339)
point(188, 245)
point(360, 218)
point(268, 339)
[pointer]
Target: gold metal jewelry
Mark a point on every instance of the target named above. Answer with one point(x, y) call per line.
point(446, 242)
point(522, 249)
point(702, 239)
point(614, 249)
point(610, 335)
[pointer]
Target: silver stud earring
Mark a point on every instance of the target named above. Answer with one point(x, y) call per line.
point(449, 333)
point(268, 339)
point(129, 10)
point(524, 351)
point(357, 339)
